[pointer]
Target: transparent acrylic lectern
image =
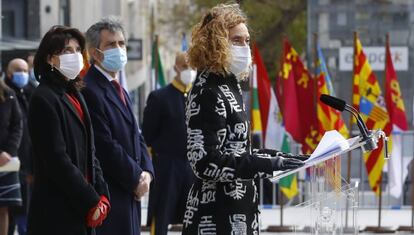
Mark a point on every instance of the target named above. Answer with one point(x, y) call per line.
point(333, 204)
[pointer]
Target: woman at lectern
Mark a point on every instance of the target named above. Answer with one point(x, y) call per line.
point(224, 198)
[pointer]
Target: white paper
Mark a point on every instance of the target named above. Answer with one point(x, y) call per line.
point(12, 165)
point(332, 142)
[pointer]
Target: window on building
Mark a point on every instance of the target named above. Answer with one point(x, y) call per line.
point(7, 24)
point(341, 19)
point(64, 12)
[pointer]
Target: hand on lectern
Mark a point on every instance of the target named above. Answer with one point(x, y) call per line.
point(302, 157)
point(281, 163)
point(275, 153)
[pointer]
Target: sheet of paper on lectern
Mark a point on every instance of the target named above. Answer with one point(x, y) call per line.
point(12, 165)
point(332, 142)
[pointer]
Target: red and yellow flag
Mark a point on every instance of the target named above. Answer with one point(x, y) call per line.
point(367, 97)
point(274, 134)
point(396, 110)
point(297, 96)
point(329, 118)
point(393, 99)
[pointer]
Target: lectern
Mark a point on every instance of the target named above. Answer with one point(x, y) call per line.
point(333, 204)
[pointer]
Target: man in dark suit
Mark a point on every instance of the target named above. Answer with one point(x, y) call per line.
point(119, 144)
point(165, 131)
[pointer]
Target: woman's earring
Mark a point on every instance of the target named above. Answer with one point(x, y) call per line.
point(51, 68)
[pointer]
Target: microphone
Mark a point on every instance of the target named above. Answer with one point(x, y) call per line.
point(341, 105)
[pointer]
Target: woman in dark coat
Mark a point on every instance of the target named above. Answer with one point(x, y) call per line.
point(11, 131)
point(69, 196)
point(224, 199)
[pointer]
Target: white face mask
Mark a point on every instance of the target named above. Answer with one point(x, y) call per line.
point(70, 65)
point(241, 60)
point(188, 76)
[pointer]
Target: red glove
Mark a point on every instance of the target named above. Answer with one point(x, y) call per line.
point(97, 214)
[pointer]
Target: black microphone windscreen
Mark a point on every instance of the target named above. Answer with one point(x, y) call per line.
point(333, 102)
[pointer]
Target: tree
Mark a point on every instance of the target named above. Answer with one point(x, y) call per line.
point(269, 21)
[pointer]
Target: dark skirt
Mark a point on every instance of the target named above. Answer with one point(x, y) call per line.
point(10, 194)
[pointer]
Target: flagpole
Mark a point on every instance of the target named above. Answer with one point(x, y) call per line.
point(349, 160)
point(280, 201)
point(154, 87)
point(152, 37)
point(281, 227)
point(387, 43)
point(380, 229)
point(315, 75)
point(281, 205)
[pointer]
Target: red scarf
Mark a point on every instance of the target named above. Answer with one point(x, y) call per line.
point(75, 103)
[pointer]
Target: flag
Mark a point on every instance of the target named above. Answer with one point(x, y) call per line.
point(367, 97)
point(274, 134)
point(288, 184)
point(396, 110)
point(329, 118)
point(296, 89)
point(255, 115)
point(271, 118)
point(184, 45)
point(157, 71)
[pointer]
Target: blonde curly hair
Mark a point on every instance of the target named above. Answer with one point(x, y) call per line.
point(210, 46)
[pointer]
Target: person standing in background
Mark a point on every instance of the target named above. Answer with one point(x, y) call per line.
point(11, 131)
point(32, 79)
point(120, 146)
point(165, 132)
point(17, 78)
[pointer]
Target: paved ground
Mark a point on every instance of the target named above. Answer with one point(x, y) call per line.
point(293, 216)
point(364, 217)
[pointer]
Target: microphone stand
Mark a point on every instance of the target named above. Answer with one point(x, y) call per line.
point(369, 141)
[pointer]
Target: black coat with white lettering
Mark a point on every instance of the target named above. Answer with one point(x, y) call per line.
point(224, 198)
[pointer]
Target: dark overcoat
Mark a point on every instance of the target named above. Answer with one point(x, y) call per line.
point(25, 150)
point(11, 130)
point(165, 131)
point(68, 179)
point(121, 150)
point(11, 125)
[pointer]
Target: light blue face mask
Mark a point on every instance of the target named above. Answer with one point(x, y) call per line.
point(20, 79)
point(114, 59)
point(32, 75)
point(32, 78)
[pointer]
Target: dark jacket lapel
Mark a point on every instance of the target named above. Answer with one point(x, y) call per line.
point(111, 94)
point(68, 104)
